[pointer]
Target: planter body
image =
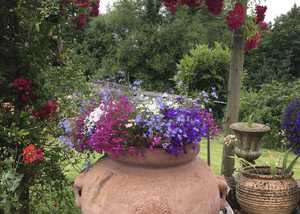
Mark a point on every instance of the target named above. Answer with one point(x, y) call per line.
point(266, 194)
point(249, 138)
point(155, 183)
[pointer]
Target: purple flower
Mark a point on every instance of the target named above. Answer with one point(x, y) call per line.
point(66, 125)
point(67, 141)
point(291, 124)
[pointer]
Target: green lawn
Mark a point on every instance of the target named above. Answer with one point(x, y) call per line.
point(216, 156)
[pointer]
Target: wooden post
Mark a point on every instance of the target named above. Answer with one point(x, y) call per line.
point(233, 102)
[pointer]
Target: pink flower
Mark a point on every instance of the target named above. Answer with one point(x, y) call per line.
point(94, 9)
point(236, 17)
point(215, 6)
point(156, 141)
point(260, 13)
point(263, 25)
point(21, 84)
point(252, 42)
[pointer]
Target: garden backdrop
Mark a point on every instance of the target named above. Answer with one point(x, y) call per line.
point(54, 53)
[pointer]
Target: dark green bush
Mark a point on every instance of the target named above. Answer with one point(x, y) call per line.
point(266, 106)
point(277, 57)
point(145, 42)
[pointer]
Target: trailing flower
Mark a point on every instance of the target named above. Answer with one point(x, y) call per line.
point(252, 42)
point(119, 125)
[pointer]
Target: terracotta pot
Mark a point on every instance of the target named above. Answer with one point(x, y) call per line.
point(259, 192)
point(155, 183)
point(249, 138)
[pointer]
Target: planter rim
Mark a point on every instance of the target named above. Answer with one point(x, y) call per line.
point(158, 158)
point(254, 128)
point(261, 172)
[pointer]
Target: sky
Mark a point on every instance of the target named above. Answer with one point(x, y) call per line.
point(275, 7)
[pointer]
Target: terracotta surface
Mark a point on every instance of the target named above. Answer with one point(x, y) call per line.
point(258, 192)
point(156, 183)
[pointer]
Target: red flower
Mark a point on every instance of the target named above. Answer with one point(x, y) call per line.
point(252, 42)
point(21, 84)
point(171, 5)
point(236, 17)
point(46, 110)
point(263, 25)
point(94, 9)
point(31, 154)
point(260, 13)
point(82, 3)
point(80, 21)
point(215, 6)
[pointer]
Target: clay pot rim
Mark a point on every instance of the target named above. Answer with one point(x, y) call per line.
point(158, 158)
point(254, 128)
point(254, 172)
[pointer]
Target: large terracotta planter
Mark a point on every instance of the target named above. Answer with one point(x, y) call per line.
point(259, 192)
point(155, 183)
point(249, 137)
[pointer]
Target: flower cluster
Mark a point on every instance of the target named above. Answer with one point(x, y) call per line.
point(46, 110)
point(252, 42)
point(215, 6)
point(236, 17)
point(31, 154)
point(291, 124)
point(87, 9)
point(115, 125)
point(260, 13)
point(23, 87)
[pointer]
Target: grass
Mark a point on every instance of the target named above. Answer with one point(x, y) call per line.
point(268, 156)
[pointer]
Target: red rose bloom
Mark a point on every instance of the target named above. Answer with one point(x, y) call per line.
point(80, 21)
point(171, 5)
point(263, 25)
point(32, 154)
point(21, 84)
point(252, 42)
point(236, 17)
point(94, 9)
point(215, 6)
point(260, 13)
point(46, 110)
point(82, 3)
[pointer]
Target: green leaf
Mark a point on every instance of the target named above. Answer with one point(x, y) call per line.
point(292, 164)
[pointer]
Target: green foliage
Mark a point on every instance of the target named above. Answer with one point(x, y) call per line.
point(266, 106)
point(277, 57)
point(126, 40)
point(202, 68)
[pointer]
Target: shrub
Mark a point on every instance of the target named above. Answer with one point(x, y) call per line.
point(266, 106)
point(202, 68)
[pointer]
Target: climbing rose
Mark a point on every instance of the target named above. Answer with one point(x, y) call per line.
point(94, 9)
point(215, 6)
point(263, 25)
point(46, 110)
point(21, 84)
point(31, 153)
point(260, 13)
point(80, 21)
point(171, 5)
point(236, 17)
point(82, 3)
point(252, 42)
